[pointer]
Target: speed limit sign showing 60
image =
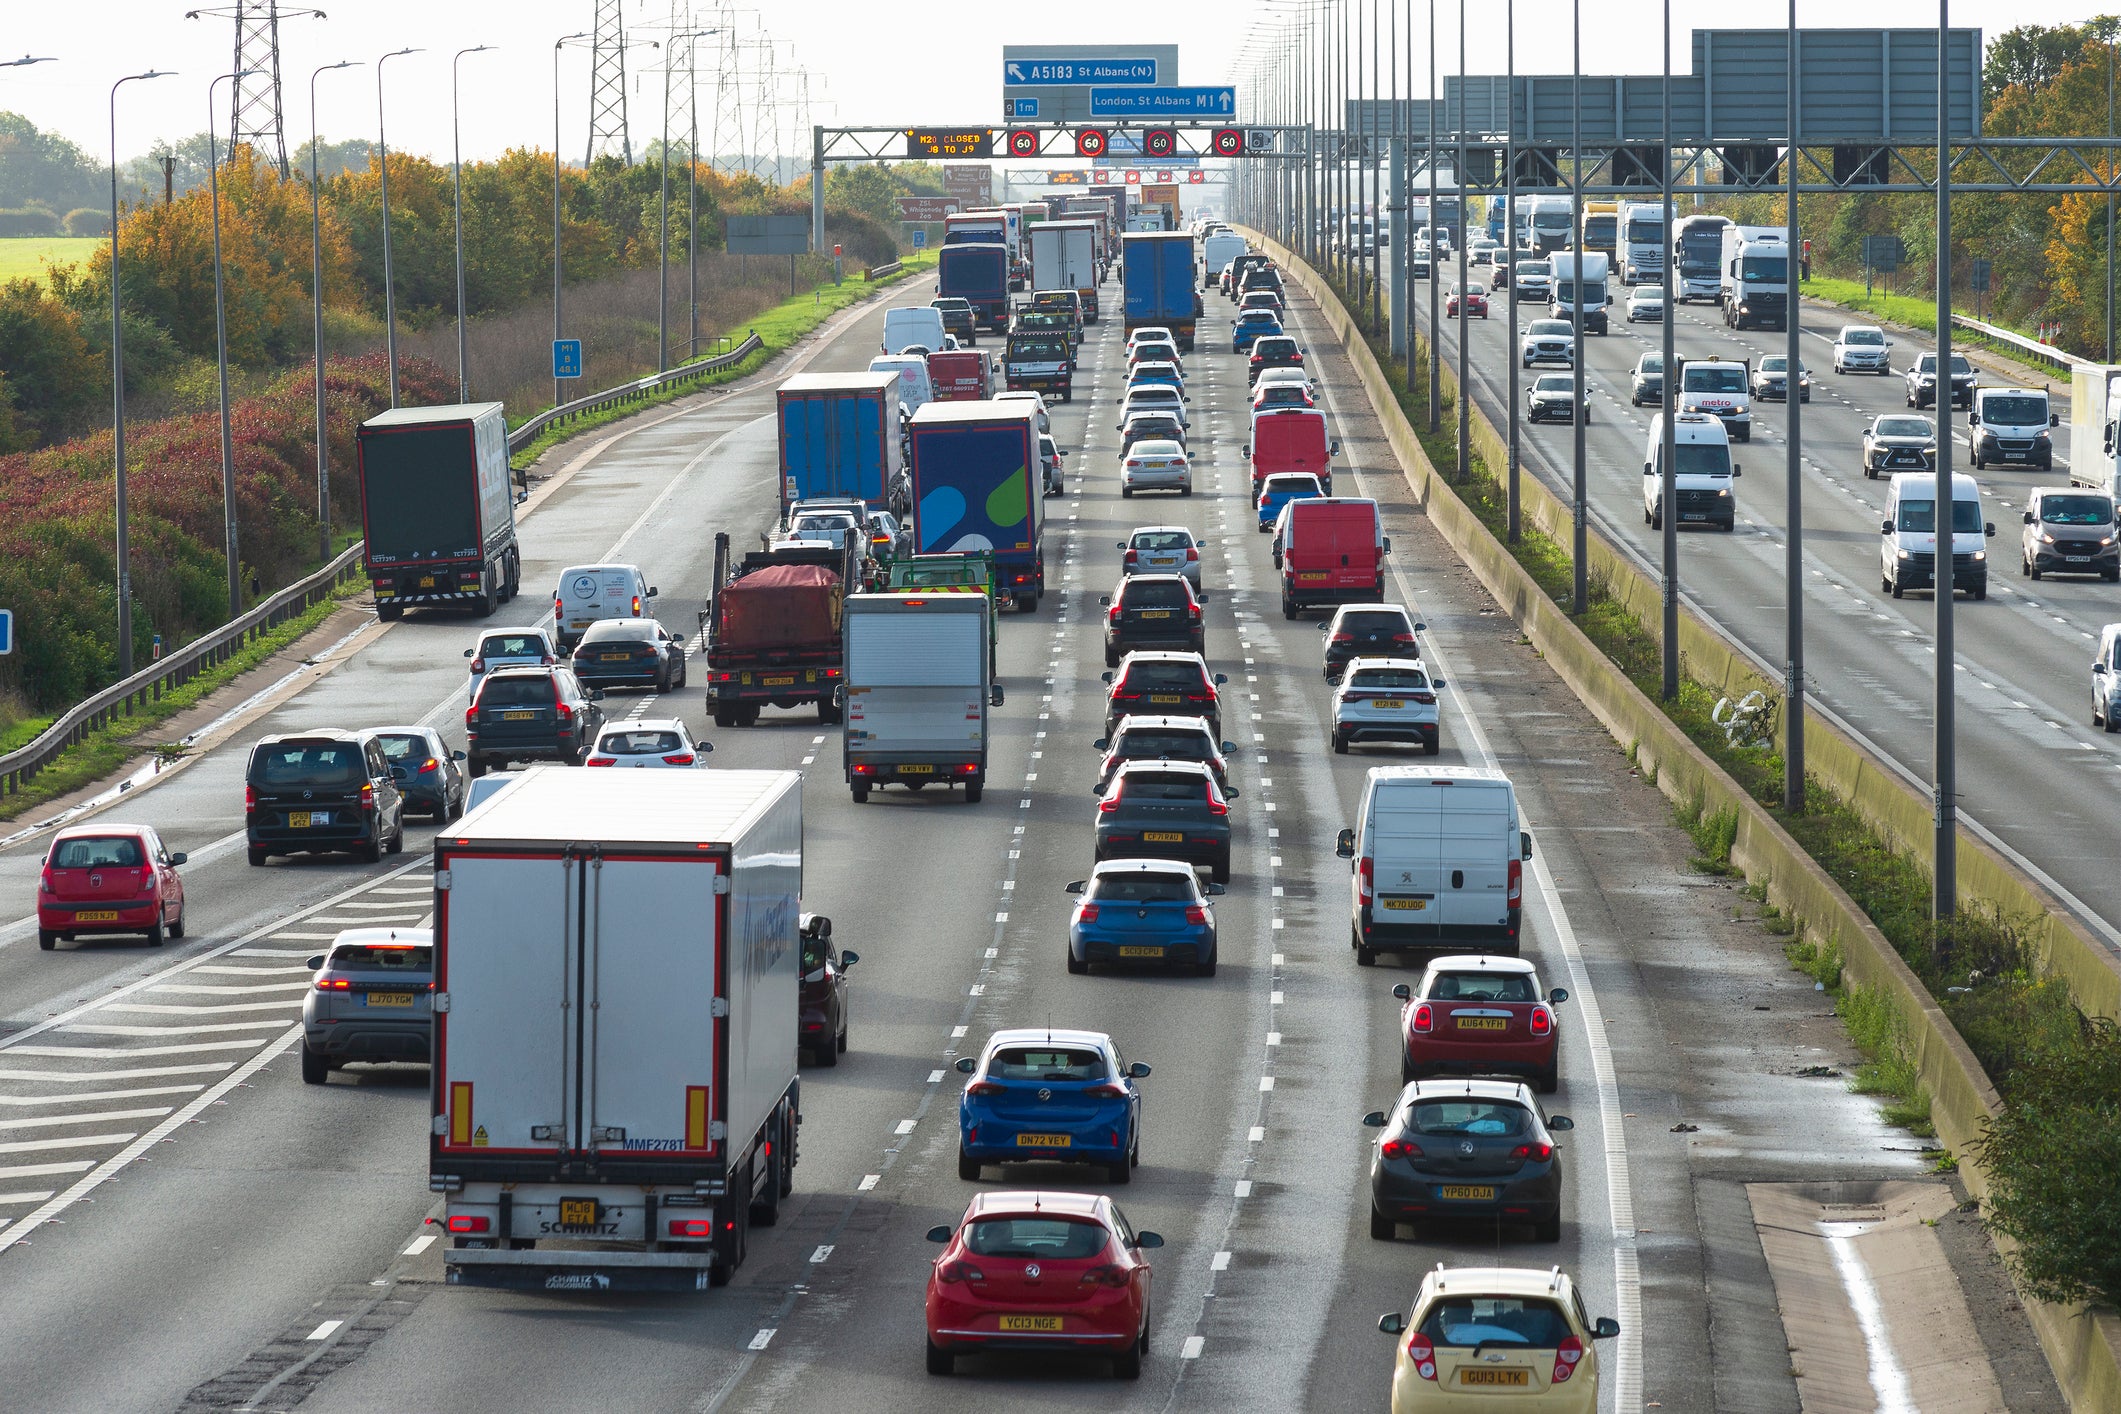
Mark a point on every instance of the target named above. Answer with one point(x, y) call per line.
point(1228, 142)
point(1023, 142)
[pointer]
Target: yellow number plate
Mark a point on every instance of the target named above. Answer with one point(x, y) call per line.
point(519, 716)
point(298, 819)
point(1031, 1323)
point(578, 1212)
point(1515, 1379)
point(1483, 1023)
point(98, 915)
point(1387, 702)
point(1470, 1190)
point(427, 581)
point(779, 682)
point(1406, 905)
point(1163, 836)
point(616, 657)
point(916, 770)
point(1162, 699)
point(390, 999)
point(1312, 575)
point(1042, 1141)
point(1154, 613)
point(1141, 952)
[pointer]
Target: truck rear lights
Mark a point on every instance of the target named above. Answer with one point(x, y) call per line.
point(1565, 1357)
point(692, 1227)
point(864, 769)
point(636, 606)
point(1366, 879)
point(970, 768)
point(469, 1222)
point(1515, 894)
point(1542, 1021)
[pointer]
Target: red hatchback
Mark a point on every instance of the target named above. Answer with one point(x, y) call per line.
point(101, 879)
point(1477, 1015)
point(1040, 1271)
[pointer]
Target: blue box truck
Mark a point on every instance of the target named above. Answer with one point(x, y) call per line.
point(839, 437)
point(1160, 282)
point(978, 273)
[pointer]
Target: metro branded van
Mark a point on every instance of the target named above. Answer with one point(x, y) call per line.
point(1332, 552)
point(1437, 862)
point(1290, 439)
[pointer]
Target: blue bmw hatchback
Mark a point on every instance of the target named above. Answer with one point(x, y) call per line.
point(1147, 911)
point(1252, 325)
point(1044, 1096)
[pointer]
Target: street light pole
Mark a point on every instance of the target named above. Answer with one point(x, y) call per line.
point(1579, 531)
point(390, 297)
point(228, 447)
point(557, 45)
point(456, 180)
point(1435, 417)
point(1793, 473)
point(1668, 401)
point(1944, 868)
point(1458, 162)
point(316, 318)
point(117, 389)
point(1512, 517)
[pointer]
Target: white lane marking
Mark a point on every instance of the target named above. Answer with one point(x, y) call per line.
point(935, 1077)
point(763, 1339)
point(59, 1078)
point(1243, 1188)
point(1192, 1348)
point(418, 1245)
point(32, 1197)
point(195, 1008)
point(822, 1253)
point(108, 1028)
point(100, 1117)
point(1888, 1379)
point(324, 1331)
point(905, 1126)
point(35, 1171)
point(1221, 1262)
point(119, 1052)
point(1266, 1082)
point(869, 1181)
point(1256, 1134)
point(64, 1099)
point(77, 1141)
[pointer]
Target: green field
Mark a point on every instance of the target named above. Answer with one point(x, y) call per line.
point(28, 255)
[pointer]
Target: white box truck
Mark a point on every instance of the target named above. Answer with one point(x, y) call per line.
point(1754, 278)
point(920, 678)
point(1641, 242)
point(1064, 257)
point(615, 1097)
point(1566, 289)
point(2094, 440)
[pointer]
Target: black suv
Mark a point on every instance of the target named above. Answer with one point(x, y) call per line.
point(319, 792)
point(531, 714)
point(629, 653)
point(1233, 276)
point(1152, 611)
point(959, 318)
point(1273, 351)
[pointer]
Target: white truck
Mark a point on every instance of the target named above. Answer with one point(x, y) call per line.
point(1064, 257)
point(920, 678)
point(1568, 289)
point(1550, 226)
point(615, 1096)
point(1641, 242)
point(2094, 437)
point(1216, 254)
point(1754, 278)
point(1722, 387)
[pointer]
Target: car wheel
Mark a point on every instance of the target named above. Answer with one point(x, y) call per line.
point(974, 789)
point(1382, 1228)
point(940, 1362)
point(157, 933)
point(968, 1168)
point(1894, 586)
point(861, 794)
point(1981, 590)
point(176, 929)
point(2025, 567)
point(373, 850)
point(47, 939)
point(1121, 1172)
point(1547, 1229)
point(1206, 969)
point(1549, 1080)
point(1221, 870)
point(257, 857)
point(1433, 745)
point(397, 841)
point(1076, 966)
point(1340, 744)
point(315, 1069)
point(1129, 1365)
point(828, 1055)
point(2033, 571)
point(1365, 957)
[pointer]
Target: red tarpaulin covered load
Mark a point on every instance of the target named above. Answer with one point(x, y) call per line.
point(781, 607)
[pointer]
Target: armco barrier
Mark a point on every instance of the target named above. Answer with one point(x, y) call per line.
point(2083, 1350)
point(878, 272)
point(632, 392)
point(2031, 348)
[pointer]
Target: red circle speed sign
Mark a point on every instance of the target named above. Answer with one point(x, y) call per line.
point(1090, 142)
point(1023, 142)
point(1228, 142)
point(1159, 142)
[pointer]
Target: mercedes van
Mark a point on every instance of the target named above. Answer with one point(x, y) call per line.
point(1702, 451)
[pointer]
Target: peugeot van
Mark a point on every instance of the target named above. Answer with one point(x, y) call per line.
point(1437, 862)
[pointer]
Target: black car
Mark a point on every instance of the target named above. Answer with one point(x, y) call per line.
point(959, 318)
point(1166, 810)
point(1152, 611)
point(629, 653)
point(1163, 738)
point(1164, 685)
point(1273, 351)
point(1466, 1149)
point(1368, 631)
point(821, 1005)
point(426, 770)
point(531, 714)
point(1150, 427)
point(321, 792)
point(1233, 277)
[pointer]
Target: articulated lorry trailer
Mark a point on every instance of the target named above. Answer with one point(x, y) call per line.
point(1064, 257)
point(1160, 284)
point(437, 511)
point(615, 1097)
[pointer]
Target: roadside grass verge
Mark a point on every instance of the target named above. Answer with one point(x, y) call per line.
point(1916, 312)
point(777, 328)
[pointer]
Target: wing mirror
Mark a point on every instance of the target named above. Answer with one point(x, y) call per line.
point(1989, 529)
point(848, 959)
point(1137, 1071)
point(315, 964)
point(1344, 844)
point(1105, 676)
point(1391, 1323)
point(1105, 601)
point(994, 698)
point(1560, 1123)
point(596, 694)
point(1606, 1328)
point(1403, 992)
point(653, 591)
point(1375, 1119)
point(1386, 547)
point(467, 652)
point(966, 1065)
point(2028, 517)
point(1148, 1239)
point(1885, 527)
point(1228, 747)
point(1524, 844)
point(1076, 886)
point(1333, 447)
point(1737, 470)
point(818, 926)
point(1558, 995)
point(1217, 890)
point(1221, 678)
point(178, 858)
point(939, 1233)
point(2054, 419)
point(1103, 743)
point(1246, 452)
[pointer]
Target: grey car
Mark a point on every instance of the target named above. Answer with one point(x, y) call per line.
point(1166, 810)
point(1163, 549)
point(425, 769)
point(369, 1001)
point(1898, 442)
point(1646, 380)
point(1457, 1149)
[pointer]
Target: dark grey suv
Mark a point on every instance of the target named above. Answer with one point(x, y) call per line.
point(371, 1000)
point(320, 792)
point(1166, 810)
point(531, 714)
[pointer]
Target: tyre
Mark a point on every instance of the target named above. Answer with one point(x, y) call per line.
point(257, 857)
point(157, 933)
point(176, 929)
point(1126, 493)
point(397, 841)
point(1111, 657)
point(1433, 746)
point(1981, 590)
point(1129, 1365)
point(1382, 1228)
point(489, 600)
point(940, 1362)
point(46, 939)
point(373, 850)
point(1894, 586)
point(1340, 744)
point(828, 711)
point(2025, 567)
point(967, 1167)
point(1365, 957)
point(766, 1212)
point(1206, 969)
point(390, 613)
point(1221, 871)
point(828, 1055)
point(724, 718)
point(1027, 603)
point(315, 1069)
point(1547, 1229)
point(1549, 1080)
point(1077, 967)
point(974, 789)
point(1121, 1172)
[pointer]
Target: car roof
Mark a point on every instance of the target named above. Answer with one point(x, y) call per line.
point(1370, 607)
point(75, 832)
point(539, 630)
point(1163, 577)
point(1964, 487)
point(1144, 445)
point(1034, 1202)
point(614, 628)
point(1356, 665)
point(372, 937)
point(646, 724)
point(1143, 722)
point(1143, 765)
point(1439, 1088)
point(429, 732)
point(1482, 962)
point(347, 733)
point(1496, 1281)
point(1158, 530)
point(1035, 1035)
point(1142, 866)
point(521, 670)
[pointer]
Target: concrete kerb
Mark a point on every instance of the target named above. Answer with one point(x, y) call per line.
point(2083, 1349)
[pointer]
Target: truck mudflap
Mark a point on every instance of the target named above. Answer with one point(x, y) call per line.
point(574, 1270)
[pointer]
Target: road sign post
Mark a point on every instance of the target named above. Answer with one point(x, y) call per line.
point(566, 358)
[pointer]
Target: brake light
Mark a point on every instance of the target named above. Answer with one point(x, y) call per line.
point(471, 716)
point(1536, 1153)
point(1565, 1357)
point(1424, 1018)
point(1110, 1274)
point(683, 758)
point(1133, 557)
point(983, 1087)
point(1107, 1092)
point(1515, 894)
point(1402, 638)
point(960, 1271)
point(1195, 913)
point(1426, 699)
point(636, 606)
point(692, 1227)
point(1343, 637)
point(1194, 609)
point(333, 984)
point(430, 764)
point(1109, 804)
point(1192, 554)
point(250, 797)
point(1422, 1354)
point(1216, 804)
point(566, 712)
point(466, 1222)
point(1400, 1149)
point(368, 796)
point(1365, 879)
point(601, 761)
point(1542, 1021)
point(557, 613)
point(478, 665)
point(1086, 913)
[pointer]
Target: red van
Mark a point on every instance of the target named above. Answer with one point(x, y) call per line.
point(961, 375)
point(1333, 553)
point(1290, 439)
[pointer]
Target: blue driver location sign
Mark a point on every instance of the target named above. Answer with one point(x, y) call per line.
point(7, 631)
point(566, 358)
point(1081, 72)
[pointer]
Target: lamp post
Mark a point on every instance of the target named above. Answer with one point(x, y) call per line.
point(1668, 401)
point(1793, 474)
point(1511, 515)
point(557, 45)
point(316, 315)
point(1465, 369)
point(117, 387)
point(228, 448)
point(1944, 863)
point(390, 296)
point(1435, 413)
point(1579, 507)
point(456, 178)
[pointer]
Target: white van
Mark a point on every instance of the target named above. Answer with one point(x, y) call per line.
point(914, 326)
point(2012, 425)
point(1702, 449)
point(1437, 862)
point(915, 388)
point(1909, 545)
point(587, 593)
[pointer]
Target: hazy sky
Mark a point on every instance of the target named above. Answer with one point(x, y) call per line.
point(870, 63)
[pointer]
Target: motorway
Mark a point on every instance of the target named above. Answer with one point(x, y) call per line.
point(2032, 767)
point(185, 1225)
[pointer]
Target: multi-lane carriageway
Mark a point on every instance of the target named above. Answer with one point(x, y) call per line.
point(185, 1225)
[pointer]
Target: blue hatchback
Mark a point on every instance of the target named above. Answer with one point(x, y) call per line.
point(1143, 911)
point(1279, 489)
point(1038, 1095)
point(1253, 325)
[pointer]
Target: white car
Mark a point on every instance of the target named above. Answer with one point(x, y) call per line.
point(1646, 302)
point(1297, 377)
point(1548, 341)
point(1147, 332)
point(1043, 422)
point(1862, 348)
point(1387, 699)
point(1156, 466)
point(652, 743)
point(1156, 397)
point(1162, 549)
point(508, 648)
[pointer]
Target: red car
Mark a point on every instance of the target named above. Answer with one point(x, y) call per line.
point(1040, 1271)
point(102, 879)
point(1476, 304)
point(1478, 1015)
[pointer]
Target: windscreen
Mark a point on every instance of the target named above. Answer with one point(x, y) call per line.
point(1163, 540)
point(1906, 427)
point(1863, 338)
point(380, 957)
point(1483, 987)
point(1140, 786)
point(1047, 1063)
point(1599, 228)
point(513, 645)
point(516, 692)
point(1648, 232)
point(1412, 679)
point(1921, 516)
point(401, 747)
point(639, 742)
point(1713, 378)
point(2013, 411)
point(1504, 1321)
point(1763, 269)
point(1163, 742)
point(1493, 1118)
point(316, 765)
point(419, 491)
point(1038, 350)
point(99, 852)
point(1550, 220)
point(2076, 510)
point(1155, 594)
point(1703, 459)
point(1556, 383)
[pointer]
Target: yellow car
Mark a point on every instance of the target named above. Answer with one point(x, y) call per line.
point(1496, 1338)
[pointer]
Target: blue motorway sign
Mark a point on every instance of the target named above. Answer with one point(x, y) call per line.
point(1023, 108)
point(1163, 102)
point(7, 631)
point(920, 239)
point(1018, 73)
point(566, 358)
